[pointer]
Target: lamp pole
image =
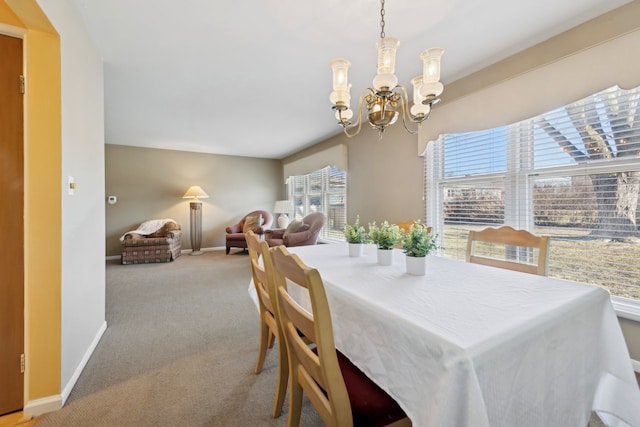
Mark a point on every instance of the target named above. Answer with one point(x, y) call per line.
point(195, 231)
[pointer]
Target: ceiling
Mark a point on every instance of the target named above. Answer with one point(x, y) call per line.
point(253, 78)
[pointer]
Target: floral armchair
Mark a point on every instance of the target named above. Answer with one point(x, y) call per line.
point(143, 246)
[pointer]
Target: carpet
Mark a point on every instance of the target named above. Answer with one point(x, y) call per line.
point(180, 349)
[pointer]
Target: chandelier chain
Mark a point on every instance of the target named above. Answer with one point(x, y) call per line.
point(382, 19)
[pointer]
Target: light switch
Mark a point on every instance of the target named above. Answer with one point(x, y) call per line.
point(72, 186)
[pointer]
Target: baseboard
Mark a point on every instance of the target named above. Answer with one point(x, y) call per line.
point(37, 407)
point(66, 391)
point(636, 365)
point(110, 257)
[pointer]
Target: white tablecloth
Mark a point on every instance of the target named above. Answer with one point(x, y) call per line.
point(469, 345)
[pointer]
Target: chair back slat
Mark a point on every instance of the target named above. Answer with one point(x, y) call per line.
point(258, 271)
point(317, 371)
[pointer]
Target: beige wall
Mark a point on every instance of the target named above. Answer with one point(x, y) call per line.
point(149, 184)
point(384, 177)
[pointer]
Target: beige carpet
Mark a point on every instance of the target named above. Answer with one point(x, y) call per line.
point(179, 350)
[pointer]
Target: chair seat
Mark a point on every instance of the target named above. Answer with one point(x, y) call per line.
point(371, 406)
point(274, 242)
point(236, 237)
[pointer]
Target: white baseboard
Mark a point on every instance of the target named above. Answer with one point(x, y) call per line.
point(66, 391)
point(113, 257)
point(636, 365)
point(37, 407)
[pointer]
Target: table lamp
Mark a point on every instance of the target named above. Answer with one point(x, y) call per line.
point(282, 207)
point(195, 192)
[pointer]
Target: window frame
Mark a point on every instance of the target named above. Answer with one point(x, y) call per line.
point(326, 193)
point(518, 178)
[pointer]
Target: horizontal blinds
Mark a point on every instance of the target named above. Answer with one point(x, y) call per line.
point(572, 174)
point(598, 129)
point(336, 204)
point(323, 191)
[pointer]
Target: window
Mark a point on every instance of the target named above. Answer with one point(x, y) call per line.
point(324, 190)
point(572, 174)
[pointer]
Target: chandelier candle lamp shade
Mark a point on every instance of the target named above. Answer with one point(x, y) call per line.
point(195, 192)
point(282, 207)
point(387, 99)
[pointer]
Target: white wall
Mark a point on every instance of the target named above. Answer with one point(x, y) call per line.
point(83, 214)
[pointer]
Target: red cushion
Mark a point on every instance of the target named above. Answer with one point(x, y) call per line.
point(370, 405)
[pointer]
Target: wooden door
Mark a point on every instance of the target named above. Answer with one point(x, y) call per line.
point(11, 224)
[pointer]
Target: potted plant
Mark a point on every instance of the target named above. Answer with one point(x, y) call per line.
point(417, 244)
point(356, 236)
point(385, 236)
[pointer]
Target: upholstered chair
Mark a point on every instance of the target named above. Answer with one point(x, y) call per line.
point(256, 221)
point(298, 233)
point(163, 245)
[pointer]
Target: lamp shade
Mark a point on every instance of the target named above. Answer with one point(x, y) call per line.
point(282, 206)
point(431, 64)
point(195, 192)
point(341, 85)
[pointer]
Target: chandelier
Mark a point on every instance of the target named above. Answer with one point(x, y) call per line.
point(387, 99)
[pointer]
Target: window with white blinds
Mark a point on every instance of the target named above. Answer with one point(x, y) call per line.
point(324, 190)
point(572, 174)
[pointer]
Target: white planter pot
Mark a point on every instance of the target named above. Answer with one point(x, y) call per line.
point(356, 249)
point(385, 256)
point(416, 266)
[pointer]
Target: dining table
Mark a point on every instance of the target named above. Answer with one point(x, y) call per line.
point(468, 345)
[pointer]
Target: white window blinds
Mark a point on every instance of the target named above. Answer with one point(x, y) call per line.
point(572, 174)
point(324, 190)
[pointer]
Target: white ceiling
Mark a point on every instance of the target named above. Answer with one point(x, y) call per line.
point(252, 78)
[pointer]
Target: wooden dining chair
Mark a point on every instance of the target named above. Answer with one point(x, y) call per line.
point(270, 328)
point(342, 395)
point(405, 226)
point(508, 248)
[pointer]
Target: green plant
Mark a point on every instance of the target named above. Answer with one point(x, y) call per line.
point(355, 233)
point(418, 242)
point(385, 236)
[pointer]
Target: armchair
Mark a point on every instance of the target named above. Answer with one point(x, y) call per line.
point(152, 241)
point(235, 233)
point(299, 233)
